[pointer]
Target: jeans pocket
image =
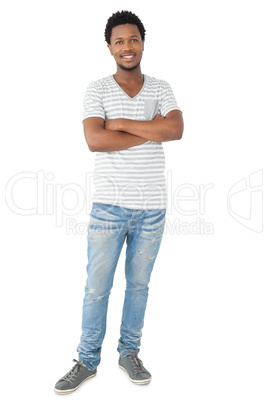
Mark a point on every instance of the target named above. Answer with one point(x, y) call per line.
point(153, 224)
point(105, 220)
point(103, 212)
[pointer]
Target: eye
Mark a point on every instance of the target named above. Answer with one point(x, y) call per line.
point(134, 40)
point(118, 42)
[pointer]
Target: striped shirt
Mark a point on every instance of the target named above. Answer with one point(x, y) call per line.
point(134, 177)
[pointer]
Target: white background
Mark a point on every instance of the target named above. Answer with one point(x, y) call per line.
point(205, 335)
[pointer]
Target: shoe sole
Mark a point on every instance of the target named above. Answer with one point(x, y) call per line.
point(68, 391)
point(138, 382)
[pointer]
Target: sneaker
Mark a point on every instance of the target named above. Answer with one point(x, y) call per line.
point(134, 367)
point(74, 378)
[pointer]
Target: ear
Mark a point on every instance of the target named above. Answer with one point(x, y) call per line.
point(110, 48)
point(143, 44)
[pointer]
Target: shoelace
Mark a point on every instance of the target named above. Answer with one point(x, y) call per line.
point(69, 377)
point(137, 363)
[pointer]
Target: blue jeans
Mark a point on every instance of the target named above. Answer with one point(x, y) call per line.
point(109, 226)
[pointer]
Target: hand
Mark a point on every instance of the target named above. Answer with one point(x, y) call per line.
point(112, 124)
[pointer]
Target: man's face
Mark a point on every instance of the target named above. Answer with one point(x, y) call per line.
point(126, 46)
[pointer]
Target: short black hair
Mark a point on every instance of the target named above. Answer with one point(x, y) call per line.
point(120, 18)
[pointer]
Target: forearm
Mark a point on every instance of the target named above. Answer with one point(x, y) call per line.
point(109, 140)
point(153, 130)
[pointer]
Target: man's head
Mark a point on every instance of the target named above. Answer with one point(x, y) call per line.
point(125, 36)
point(121, 18)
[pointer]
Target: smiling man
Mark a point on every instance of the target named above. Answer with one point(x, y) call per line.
point(126, 118)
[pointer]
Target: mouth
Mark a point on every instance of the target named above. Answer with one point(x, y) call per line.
point(128, 57)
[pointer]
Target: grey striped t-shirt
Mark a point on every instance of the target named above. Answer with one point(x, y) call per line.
point(134, 177)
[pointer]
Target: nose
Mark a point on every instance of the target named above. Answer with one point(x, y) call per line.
point(128, 46)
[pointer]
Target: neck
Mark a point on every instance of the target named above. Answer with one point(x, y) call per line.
point(128, 76)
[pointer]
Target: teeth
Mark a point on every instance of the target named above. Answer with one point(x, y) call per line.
point(128, 57)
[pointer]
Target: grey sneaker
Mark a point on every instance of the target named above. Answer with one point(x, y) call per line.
point(134, 367)
point(74, 378)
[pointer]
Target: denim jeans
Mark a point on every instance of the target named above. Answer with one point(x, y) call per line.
point(108, 228)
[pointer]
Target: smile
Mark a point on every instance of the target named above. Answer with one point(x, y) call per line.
point(128, 57)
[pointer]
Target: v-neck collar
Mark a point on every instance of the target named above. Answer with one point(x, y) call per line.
point(138, 94)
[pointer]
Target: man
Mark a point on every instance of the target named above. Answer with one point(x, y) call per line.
point(126, 118)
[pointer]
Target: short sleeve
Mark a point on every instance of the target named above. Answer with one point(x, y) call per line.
point(167, 101)
point(93, 106)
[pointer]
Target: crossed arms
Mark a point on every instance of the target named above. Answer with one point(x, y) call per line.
point(117, 134)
